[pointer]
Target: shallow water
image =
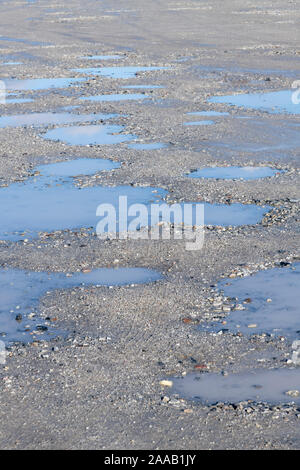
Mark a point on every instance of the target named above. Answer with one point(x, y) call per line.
point(102, 57)
point(40, 119)
point(234, 172)
point(20, 292)
point(262, 385)
point(36, 84)
point(116, 97)
point(233, 214)
point(117, 72)
point(280, 316)
point(51, 201)
point(148, 146)
point(18, 101)
point(275, 102)
point(142, 87)
point(198, 123)
point(104, 134)
point(208, 113)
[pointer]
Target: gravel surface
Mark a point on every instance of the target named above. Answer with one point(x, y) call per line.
point(97, 384)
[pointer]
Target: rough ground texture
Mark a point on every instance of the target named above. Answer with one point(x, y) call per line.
point(98, 385)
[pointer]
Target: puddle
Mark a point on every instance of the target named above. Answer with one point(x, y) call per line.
point(150, 146)
point(198, 123)
point(275, 102)
point(117, 72)
point(116, 97)
point(21, 291)
point(51, 201)
point(142, 87)
point(234, 172)
point(262, 385)
point(12, 63)
point(207, 113)
point(18, 101)
point(102, 57)
point(35, 84)
point(90, 135)
point(40, 119)
point(24, 41)
point(73, 168)
point(271, 302)
point(233, 214)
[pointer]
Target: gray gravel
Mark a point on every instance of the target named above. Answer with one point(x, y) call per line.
point(97, 386)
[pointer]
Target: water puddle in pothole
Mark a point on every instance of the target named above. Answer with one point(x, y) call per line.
point(148, 146)
point(20, 292)
point(42, 119)
point(235, 172)
point(275, 386)
point(36, 84)
point(142, 87)
point(18, 100)
point(117, 72)
point(208, 113)
point(235, 214)
point(198, 123)
point(275, 102)
point(265, 302)
point(11, 63)
point(51, 201)
point(101, 57)
point(24, 41)
point(116, 97)
point(89, 135)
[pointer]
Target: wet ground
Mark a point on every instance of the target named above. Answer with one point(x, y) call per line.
point(102, 379)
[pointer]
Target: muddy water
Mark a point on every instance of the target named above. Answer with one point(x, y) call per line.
point(273, 386)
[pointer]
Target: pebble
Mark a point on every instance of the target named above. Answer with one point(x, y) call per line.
point(166, 383)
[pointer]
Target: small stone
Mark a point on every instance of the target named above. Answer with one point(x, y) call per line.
point(166, 383)
point(252, 325)
point(293, 393)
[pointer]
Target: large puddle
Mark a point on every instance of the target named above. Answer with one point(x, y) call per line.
point(51, 201)
point(36, 84)
point(270, 300)
point(104, 134)
point(273, 102)
point(274, 386)
point(117, 72)
point(41, 119)
point(20, 292)
point(116, 97)
point(234, 172)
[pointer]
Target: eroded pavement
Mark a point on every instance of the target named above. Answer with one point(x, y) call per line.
point(102, 380)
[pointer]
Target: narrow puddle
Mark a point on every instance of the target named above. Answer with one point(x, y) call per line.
point(275, 102)
point(116, 97)
point(199, 123)
point(117, 72)
point(20, 292)
point(148, 146)
point(102, 57)
point(275, 386)
point(208, 113)
point(265, 302)
point(89, 135)
point(51, 201)
point(235, 172)
point(36, 84)
point(42, 119)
